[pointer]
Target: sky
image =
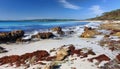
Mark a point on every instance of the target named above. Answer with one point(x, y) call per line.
point(58, 9)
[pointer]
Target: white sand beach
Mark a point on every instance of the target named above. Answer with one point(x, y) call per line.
point(48, 44)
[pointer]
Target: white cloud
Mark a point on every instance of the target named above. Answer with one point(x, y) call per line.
point(96, 9)
point(66, 4)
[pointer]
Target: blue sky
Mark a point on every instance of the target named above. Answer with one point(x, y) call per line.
point(37, 9)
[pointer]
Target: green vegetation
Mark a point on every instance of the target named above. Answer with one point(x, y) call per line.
point(113, 15)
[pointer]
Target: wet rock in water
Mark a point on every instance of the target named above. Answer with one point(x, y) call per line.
point(111, 65)
point(100, 58)
point(61, 54)
point(11, 36)
point(89, 33)
point(44, 35)
point(58, 30)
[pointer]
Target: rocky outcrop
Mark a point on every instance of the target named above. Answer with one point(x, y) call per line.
point(117, 34)
point(11, 36)
point(61, 54)
point(44, 35)
point(58, 30)
point(111, 44)
point(89, 33)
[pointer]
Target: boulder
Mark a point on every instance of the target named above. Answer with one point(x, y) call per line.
point(58, 30)
point(11, 36)
point(117, 34)
point(61, 54)
point(89, 33)
point(44, 35)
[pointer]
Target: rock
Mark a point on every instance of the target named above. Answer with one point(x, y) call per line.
point(106, 36)
point(105, 40)
point(44, 35)
point(118, 57)
point(88, 28)
point(89, 33)
point(11, 36)
point(58, 30)
point(91, 52)
point(2, 50)
point(52, 65)
point(100, 58)
point(74, 51)
point(117, 34)
point(111, 65)
point(61, 54)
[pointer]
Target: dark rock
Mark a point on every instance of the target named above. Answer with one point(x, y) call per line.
point(11, 36)
point(91, 52)
point(44, 35)
point(58, 30)
point(3, 50)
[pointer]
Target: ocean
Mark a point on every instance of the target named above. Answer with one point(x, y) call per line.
point(36, 26)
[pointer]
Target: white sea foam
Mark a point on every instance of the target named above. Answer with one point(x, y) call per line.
point(93, 24)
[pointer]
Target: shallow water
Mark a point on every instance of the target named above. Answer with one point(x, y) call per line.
point(34, 26)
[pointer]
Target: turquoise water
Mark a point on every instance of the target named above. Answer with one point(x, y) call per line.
point(31, 26)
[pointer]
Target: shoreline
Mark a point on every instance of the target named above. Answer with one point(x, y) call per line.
point(49, 44)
